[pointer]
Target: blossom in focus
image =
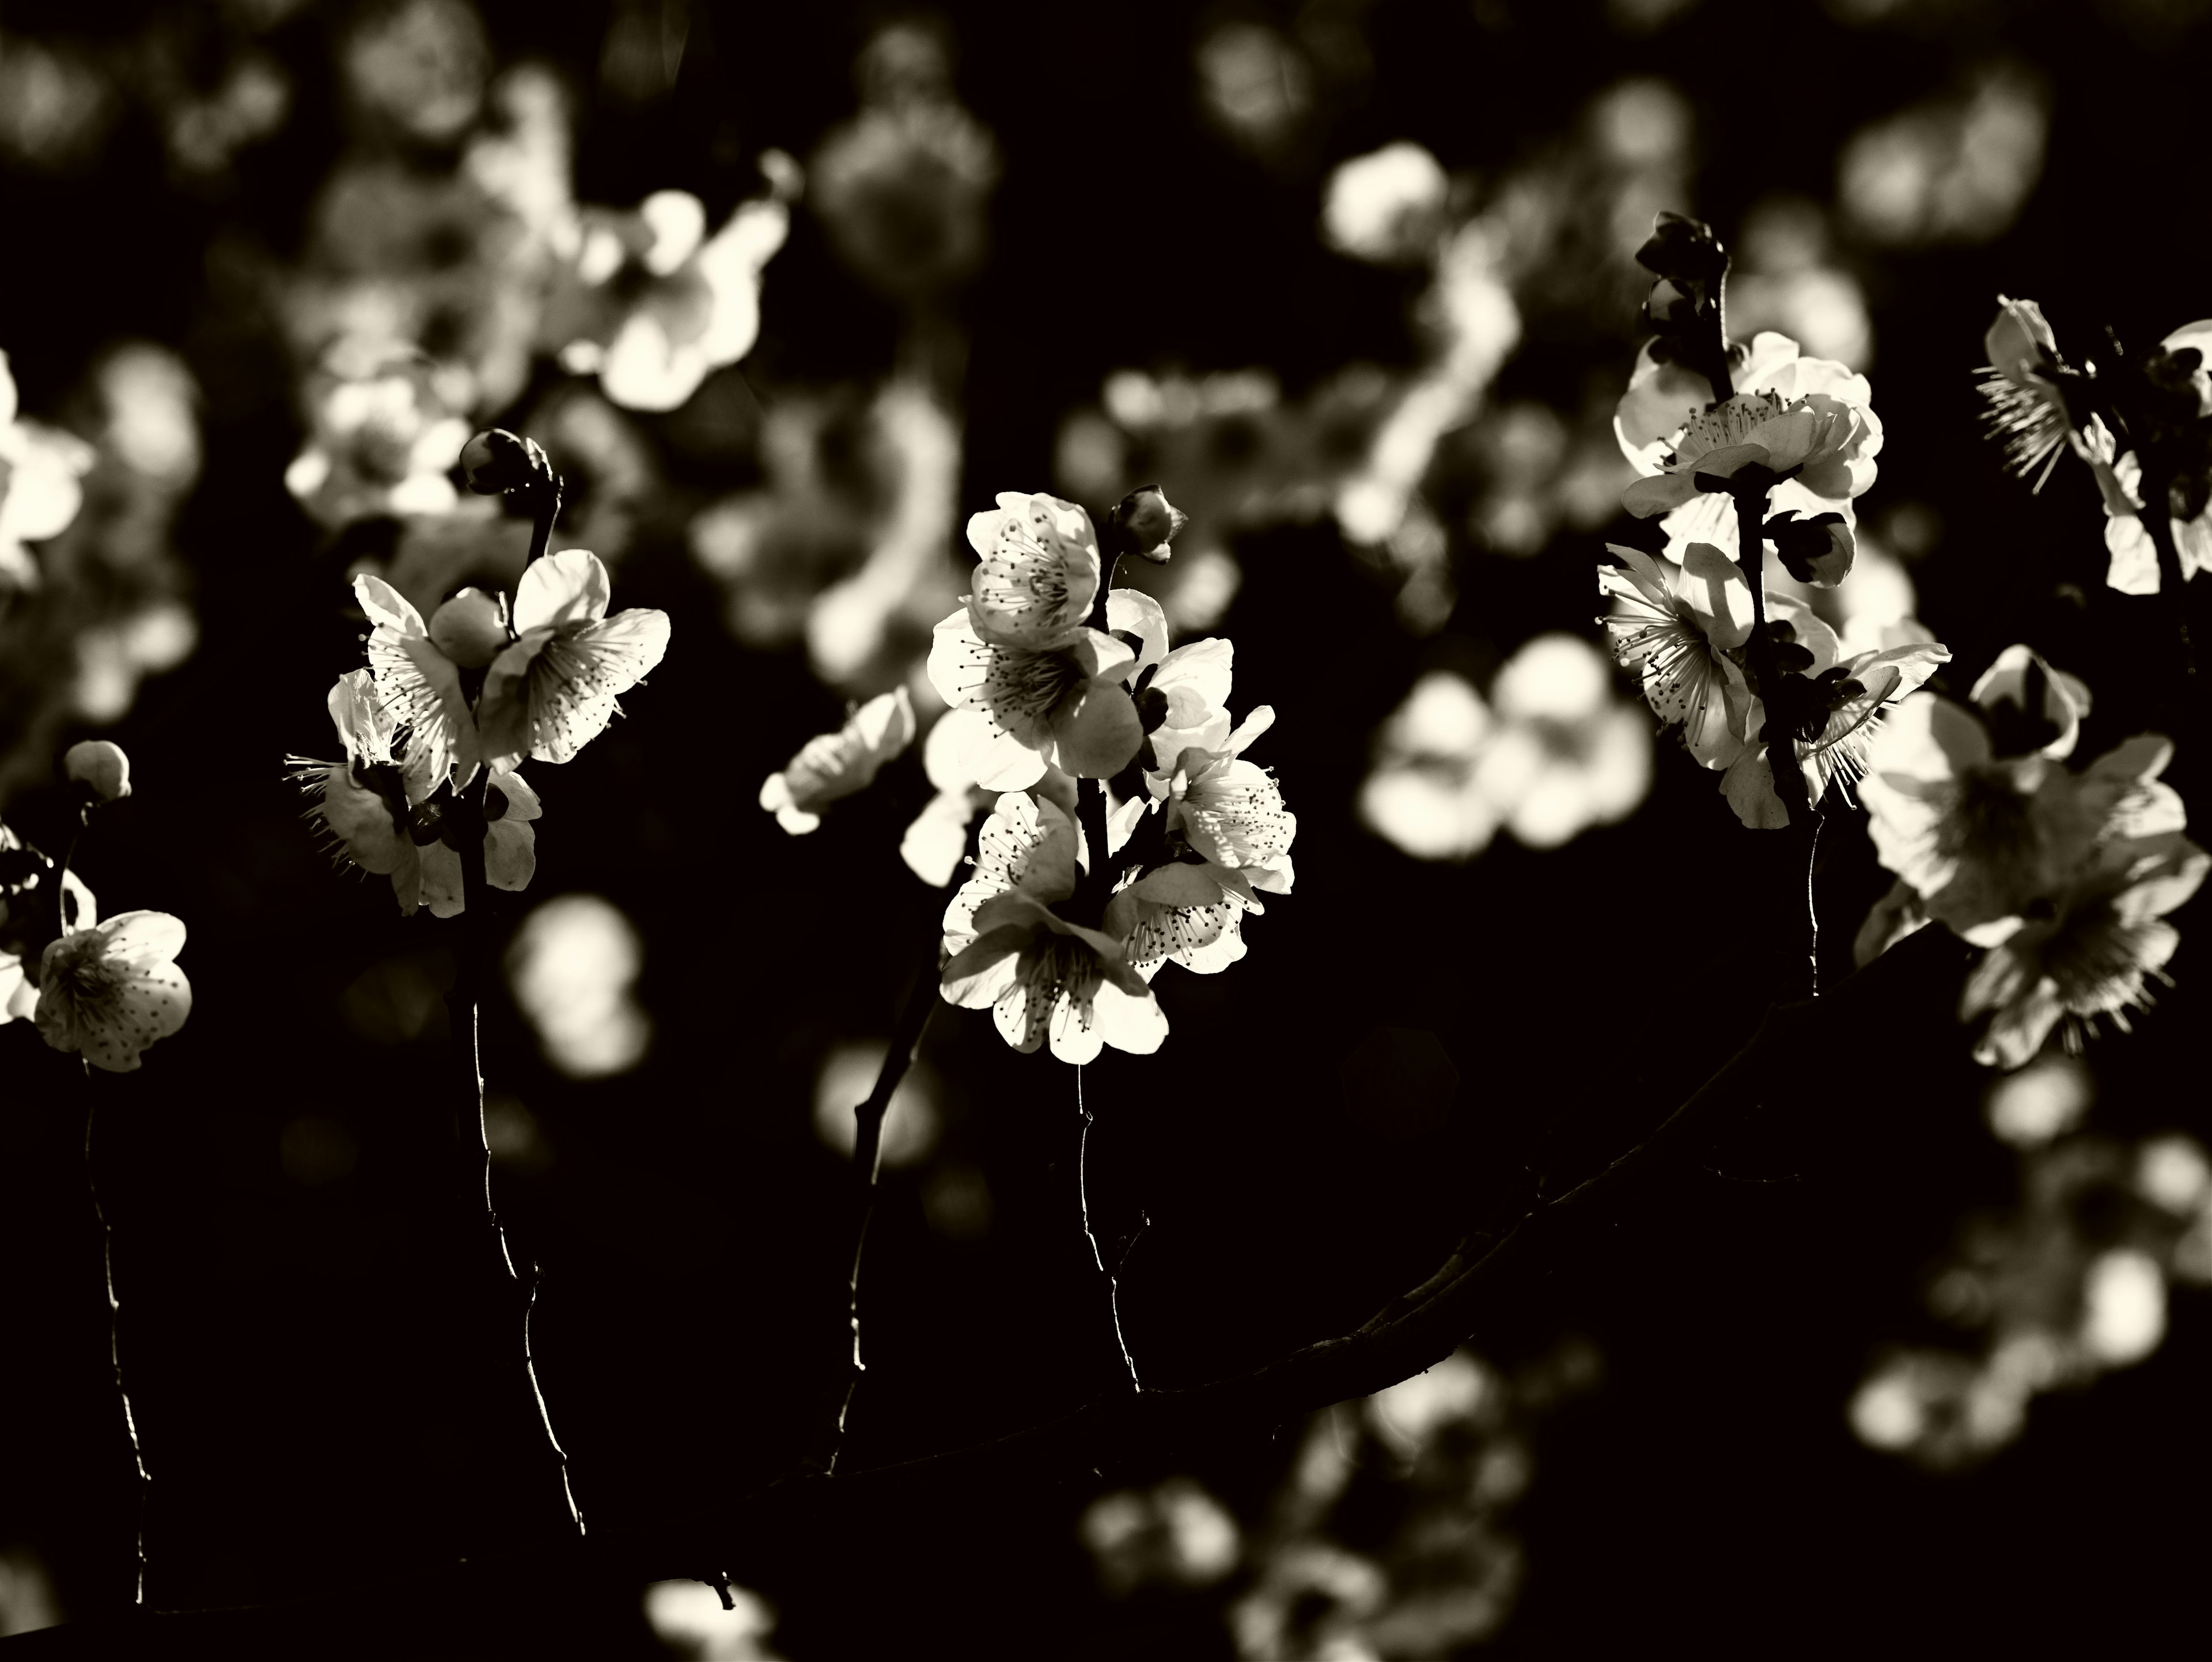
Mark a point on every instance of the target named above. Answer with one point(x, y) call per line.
point(1681, 628)
point(1182, 694)
point(1858, 692)
point(2027, 409)
point(39, 495)
point(1973, 806)
point(1812, 412)
point(1019, 651)
point(364, 804)
point(383, 432)
point(1229, 811)
point(1386, 206)
point(653, 305)
point(419, 688)
point(957, 744)
point(835, 764)
point(554, 690)
point(110, 991)
point(1044, 978)
point(2088, 952)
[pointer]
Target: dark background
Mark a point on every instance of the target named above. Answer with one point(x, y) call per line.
point(280, 1337)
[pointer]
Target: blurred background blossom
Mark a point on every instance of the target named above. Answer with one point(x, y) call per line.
point(786, 299)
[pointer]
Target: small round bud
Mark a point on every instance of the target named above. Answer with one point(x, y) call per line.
point(101, 767)
point(2020, 343)
point(471, 629)
point(499, 460)
point(1149, 522)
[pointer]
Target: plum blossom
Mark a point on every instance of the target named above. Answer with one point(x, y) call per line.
point(937, 840)
point(109, 990)
point(1858, 692)
point(2028, 407)
point(554, 690)
point(1973, 806)
point(2134, 557)
point(1812, 414)
point(364, 805)
point(419, 688)
point(1681, 628)
point(2088, 951)
point(1019, 650)
point(1180, 695)
point(1045, 979)
point(1227, 811)
point(40, 493)
point(839, 764)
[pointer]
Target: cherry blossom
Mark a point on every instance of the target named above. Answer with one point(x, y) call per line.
point(110, 991)
point(1045, 979)
point(835, 764)
point(554, 690)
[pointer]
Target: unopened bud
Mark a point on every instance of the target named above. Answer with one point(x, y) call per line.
point(1149, 522)
point(101, 767)
point(1684, 250)
point(471, 629)
point(499, 460)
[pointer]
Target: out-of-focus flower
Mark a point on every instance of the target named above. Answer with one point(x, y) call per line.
point(1386, 206)
point(1954, 169)
point(554, 691)
point(1043, 978)
point(419, 66)
point(1811, 412)
point(101, 766)
point(1972, 807)
point(902, 187)
point(572, 965)
point(39, 495)
point(1858, 693)
point(653, 305)
point(382, 438)
point(835, 764)
point(1255, 85)
point(1176, 1533)
point(1681, 629)
point(420, 687)
point(111, 989)
point(1566, 754)
point(2087, 952)
point(1019, 651)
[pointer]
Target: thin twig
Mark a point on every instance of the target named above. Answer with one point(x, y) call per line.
point(1082, 1206)
point(920, 1005)
point(473, 1148)
point(1418, 1329)
point(115, 1348)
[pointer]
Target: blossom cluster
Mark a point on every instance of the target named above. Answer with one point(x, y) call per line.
point(104, 989)
point(438, 725)
point(2065, 875)
point(1126, 828)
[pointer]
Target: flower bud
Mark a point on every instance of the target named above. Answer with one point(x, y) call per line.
point(499, 460)
point(1148, 522)
point(471, 629)
point(2020, 343)
point(101, 767)
point(1683, 250)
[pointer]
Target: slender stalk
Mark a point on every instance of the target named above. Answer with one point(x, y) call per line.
point(472, 1149)
point(920, 1004)
point(1083, 1207)
point(1778, 733)
point(115, 1350)
point(2157, 520)
point(545, 505)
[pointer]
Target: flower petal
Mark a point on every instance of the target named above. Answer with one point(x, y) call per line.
point(571, 587)
point(1096, 731)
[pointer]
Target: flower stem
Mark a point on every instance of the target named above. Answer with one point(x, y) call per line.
point(2157, 487)
point(472, 1149)
point(115, 1350)
point(920, 1004)
point(545, 508)
point(1083, 1208)
point(1778, 732)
